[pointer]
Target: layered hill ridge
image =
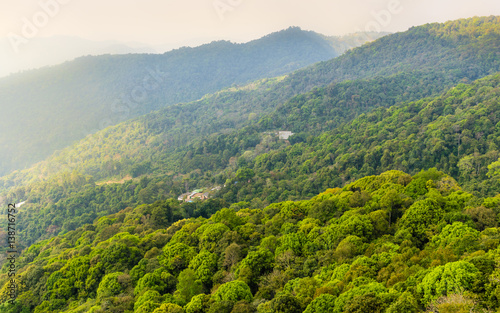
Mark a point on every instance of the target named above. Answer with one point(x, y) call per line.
point(457, 132)
point(432, 57)
point(462, 47)
point(52, 107)
point(203, 144)
point(353, 213)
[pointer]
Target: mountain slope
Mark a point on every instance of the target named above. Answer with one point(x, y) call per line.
point(457, 132)
point(256, 167)
point(49, 108)
point(389, 243)
point(195, 145)
point(462, 48)
point(231, 109)
point(158, 165)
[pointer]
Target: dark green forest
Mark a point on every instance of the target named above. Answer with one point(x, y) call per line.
point(385, 198)
point(457, 132)
point(387, 243)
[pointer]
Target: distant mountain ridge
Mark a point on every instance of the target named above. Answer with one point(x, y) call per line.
point(49, 108)
point(49, 51)
point(464, 47)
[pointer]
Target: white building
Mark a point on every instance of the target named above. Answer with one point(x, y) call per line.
point(284, 135)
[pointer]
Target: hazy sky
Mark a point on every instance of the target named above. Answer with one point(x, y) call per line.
point(31, 30)
point(197, 21)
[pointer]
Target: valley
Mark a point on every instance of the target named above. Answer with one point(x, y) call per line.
point(363, 182)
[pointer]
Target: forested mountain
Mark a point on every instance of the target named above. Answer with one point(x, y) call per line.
point(389, 243)
point(203, 144)
point(457, 132)
point(463, 48)
point(50, 108)
point(230, 109)
point(385, 199)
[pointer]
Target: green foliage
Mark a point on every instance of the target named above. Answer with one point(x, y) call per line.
point(227, 217)
point(447, 279)
point(205, 265)
point(494, 169)
point(388, 242)
point(405, 303)
point(160, 281)
point(211, 235)
point(188, 286)
point(351, 299)
point(151, 296)
point(110, 286)
point(283, 259)
point(294, 242)
point(254, 265)
point(457, 237)
point(285, 304)
point(203, 144)
point(368, 302)
point(119, 256)
point(323, 303)
point(418, 219)
point(177, 256)
point(180, 75)
point(233, 291)
point(221, 307)
point(169, 308)
point(243, 306)
point(198, 304)
point(482, 217)
point(455, 303)
point(147, 307)
point(349, 247)
point(304, 289)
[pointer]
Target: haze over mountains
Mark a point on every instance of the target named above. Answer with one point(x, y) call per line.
point(51, 107)
point(198, 143)
point(48, 51)
point(41, 52)
point(385, 199)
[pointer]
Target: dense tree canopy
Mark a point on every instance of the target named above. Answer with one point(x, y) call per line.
point(386, 198)
point(278, 258)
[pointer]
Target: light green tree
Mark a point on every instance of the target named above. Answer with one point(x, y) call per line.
point(110, 286)
point(233, 291)
point(450, 278)
point(188, 287)
point(205, 265)
point(323, 303)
